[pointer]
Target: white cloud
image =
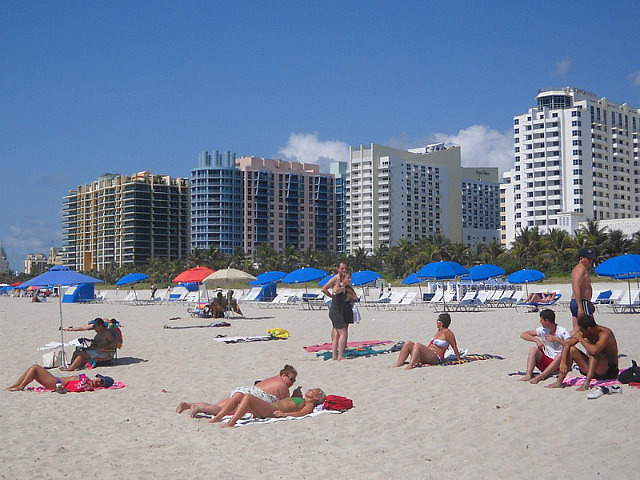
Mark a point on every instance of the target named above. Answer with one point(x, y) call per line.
point(35, 235)
point(563, 67)
point(634, 79)
point(307, 148)
point(480, 146)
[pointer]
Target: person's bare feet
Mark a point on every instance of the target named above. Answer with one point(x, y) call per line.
point(227, 425)
point(583, 388)
point(536, 379)
point(526, 378)
point(182, 406)
point(555, 385)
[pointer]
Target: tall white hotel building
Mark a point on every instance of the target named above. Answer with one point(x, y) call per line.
point(412, 194)
point(576, 159)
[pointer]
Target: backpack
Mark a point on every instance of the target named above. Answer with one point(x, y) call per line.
point(336, 402)
point(631, 374)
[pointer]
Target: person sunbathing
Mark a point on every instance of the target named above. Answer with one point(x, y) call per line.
point(270, 390)
point(287, 407)
point(43, 377)
point(434, 352)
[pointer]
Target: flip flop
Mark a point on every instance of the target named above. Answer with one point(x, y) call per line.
point(600, 391)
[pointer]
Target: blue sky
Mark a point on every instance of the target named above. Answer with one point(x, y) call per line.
point(93, 87)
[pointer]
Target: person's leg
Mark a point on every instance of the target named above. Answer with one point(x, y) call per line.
point(534, 355)
point(551, 368)
point(207, 408)
point(252, 405)
point(342, 342)
point(405, 351)
point(229, 406)
point(80, 359)
point(334, 343)
point(182, 406)
point(420, 354)
point(576, 356)
point(37, 373)
point(597, 365)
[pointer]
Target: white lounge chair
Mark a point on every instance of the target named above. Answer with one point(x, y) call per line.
point(394, 300)
point(630, 302)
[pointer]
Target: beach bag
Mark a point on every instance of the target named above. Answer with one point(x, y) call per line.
point(52, 359)
point(278, 333)
point(336, 402)
point(356, 314)
point(631, 374)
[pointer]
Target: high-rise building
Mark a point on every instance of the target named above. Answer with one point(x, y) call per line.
point(216, 202)
point(340, 171)
point(120, 219)
point(576, 159)
point(4, 262)
point(412, 194)
point(35, 263)
point(287, 204)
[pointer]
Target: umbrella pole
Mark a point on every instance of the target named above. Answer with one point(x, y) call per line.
point(64, 360)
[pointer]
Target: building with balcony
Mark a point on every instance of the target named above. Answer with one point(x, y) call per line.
point(287, 203)
point(125, 220)
point(216, 202)
point(4, 262)
point(575, 159)
point(35, 263)
point(395, 194)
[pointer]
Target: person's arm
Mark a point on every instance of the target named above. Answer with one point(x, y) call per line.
point(328, 286)
point(78, 329)
point(596, 348)
point(566, 351)
point(530, 336)
point(451, 338)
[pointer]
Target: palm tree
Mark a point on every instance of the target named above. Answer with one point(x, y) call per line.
point(492, 252)
point(616, 244)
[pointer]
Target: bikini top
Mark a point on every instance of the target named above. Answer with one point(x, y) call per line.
point(440, 343)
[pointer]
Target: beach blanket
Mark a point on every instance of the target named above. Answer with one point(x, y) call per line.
point(355, 352)
point(259, 338)
point(214, 324)
point(366, 343)
point(579, 381)
point(115, 386)
point(470, 357)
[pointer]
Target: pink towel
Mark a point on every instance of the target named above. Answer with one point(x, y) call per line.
point(327, 346)
point(115, 386)
point(579, 381)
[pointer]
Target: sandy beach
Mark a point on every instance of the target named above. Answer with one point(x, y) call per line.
point(463, 421)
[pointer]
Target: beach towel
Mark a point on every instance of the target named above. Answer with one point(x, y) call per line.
point(115, 386)
point(213, 324)
point(259, 338)
point(471, 357)
point(73, 343)
point(366, 343)
point(579, 381)
point(355, 352)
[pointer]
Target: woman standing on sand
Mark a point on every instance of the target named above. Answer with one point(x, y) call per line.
point(342, 294)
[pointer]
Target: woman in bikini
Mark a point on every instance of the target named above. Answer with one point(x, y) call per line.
point(287, 407)
point(433, 353)
point(44, 378)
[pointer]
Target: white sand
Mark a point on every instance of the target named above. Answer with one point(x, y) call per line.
point(465, 421)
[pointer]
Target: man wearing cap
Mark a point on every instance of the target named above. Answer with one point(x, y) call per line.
point(581, 287)
point(100, 349)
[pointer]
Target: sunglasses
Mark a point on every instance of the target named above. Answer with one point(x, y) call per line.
point(293, 380)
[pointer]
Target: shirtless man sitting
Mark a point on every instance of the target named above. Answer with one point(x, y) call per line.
point(600, 361)
point(101, 346)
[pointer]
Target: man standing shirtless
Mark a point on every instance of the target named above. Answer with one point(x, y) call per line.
point(600, 361)
point(581, 287)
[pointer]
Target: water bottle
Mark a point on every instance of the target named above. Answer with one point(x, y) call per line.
point(59, 387)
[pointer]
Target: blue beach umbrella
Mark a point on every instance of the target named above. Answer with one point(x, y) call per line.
point(323, 281)
point(526, 276)
point(485, 272)
point(411, 280)
point(621, 267)
point(304, 275)
point(441, 271)
point(267, 277)
point(364, 277)
point(131, 278)
point(60, 275)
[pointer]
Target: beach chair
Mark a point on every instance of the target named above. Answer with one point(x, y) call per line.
point(540, 305)
point(394, 300)
point(482, 298)
point(251, 295)
point(504, 300)
point(629, 302)
point(447, 301)
point(281, 297)
point(408, 300)
point(437, 298)
point(384, 298)
point(468, 302)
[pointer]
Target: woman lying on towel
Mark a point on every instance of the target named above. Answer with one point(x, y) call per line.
point(270, 390)
point(433, 353)
point(287, 407)
point(75, 383)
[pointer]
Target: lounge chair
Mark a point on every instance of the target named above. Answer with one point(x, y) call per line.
point(539, 305)
point(468, 303)
point(394, 300)
point(629, 303)
point(408, 300)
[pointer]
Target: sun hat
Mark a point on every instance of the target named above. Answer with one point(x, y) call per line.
point(106, 381)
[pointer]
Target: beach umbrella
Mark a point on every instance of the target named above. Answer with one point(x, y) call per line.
point(621, 267)
point(412, 280)
point(364, 277)
point(485, 272)
point(304, 275)
point(441, 271)
point(324, 280)
point(15, 284)
point(226, 276)
point(266, 278)
point(526, 276)
point(130, 279)
point(60, 275)
point(193, 275)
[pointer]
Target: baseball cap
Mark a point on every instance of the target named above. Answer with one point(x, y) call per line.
point(586, 253)
point(106, 381)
